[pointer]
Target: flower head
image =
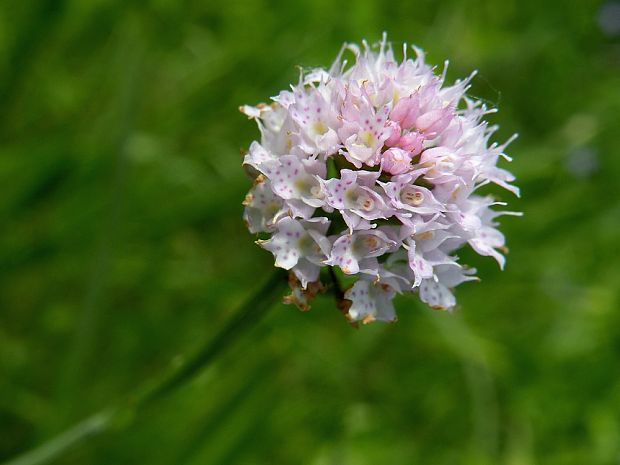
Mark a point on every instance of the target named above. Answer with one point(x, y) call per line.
point(372, 169)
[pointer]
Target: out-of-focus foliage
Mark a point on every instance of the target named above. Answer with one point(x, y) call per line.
point(121, 244)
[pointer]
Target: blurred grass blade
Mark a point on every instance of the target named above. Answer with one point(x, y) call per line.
point(91, 426)
point(250, 312)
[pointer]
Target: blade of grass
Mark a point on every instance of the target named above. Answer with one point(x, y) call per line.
point(116, 416)
point(91, 426)
point(88, 328)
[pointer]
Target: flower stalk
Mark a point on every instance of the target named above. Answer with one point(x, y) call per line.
point(120, 414)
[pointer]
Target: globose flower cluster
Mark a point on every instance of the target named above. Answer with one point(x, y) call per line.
point(373, 168)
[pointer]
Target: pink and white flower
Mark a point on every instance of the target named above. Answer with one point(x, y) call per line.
point(370, 301)
point(300, 246)
point(357, 252)
point(262, 207)
point(374, 168)
point(357, 198)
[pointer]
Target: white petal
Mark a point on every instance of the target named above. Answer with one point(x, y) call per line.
point(436, 295)
point(370, 302)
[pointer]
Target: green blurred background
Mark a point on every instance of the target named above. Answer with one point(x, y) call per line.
point(122, 247)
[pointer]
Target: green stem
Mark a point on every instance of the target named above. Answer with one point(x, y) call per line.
point(249, 313)
point(337, 288)
point(91, 426)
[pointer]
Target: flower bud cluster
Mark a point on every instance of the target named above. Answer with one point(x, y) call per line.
point(373, 168)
